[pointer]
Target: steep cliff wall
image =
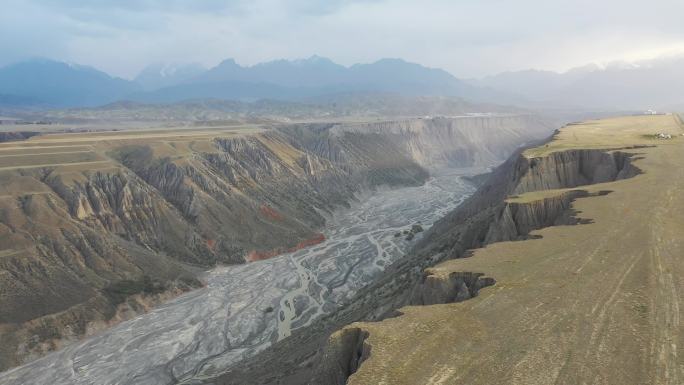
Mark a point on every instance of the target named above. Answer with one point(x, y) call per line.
point(572, 168)
point(488, 217)
point(369, 158)
point(343, 355)
point(430, 142)
point(516, 220)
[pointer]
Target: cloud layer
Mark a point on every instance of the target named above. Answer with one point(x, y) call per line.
point(465, 37)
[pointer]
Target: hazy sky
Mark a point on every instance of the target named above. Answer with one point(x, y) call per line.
point(466, 37)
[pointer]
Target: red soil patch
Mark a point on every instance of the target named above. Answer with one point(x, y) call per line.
point(261, 255)
point(256, 255)
point(316, 239)
point(270, 213)
point(211, 244)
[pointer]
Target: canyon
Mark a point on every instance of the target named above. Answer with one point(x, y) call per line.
point(494, 213)
point(417, 263)
point(341, 193)
point(101, 227)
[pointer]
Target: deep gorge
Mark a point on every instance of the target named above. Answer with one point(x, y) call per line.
point(188, 207)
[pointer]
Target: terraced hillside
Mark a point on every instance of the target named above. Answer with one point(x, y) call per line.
point(98, 227)
point(580, 281)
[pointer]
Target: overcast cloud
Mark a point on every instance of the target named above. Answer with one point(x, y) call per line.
point(469, 38)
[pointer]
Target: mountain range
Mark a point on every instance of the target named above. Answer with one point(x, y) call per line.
point(43, 82)
point(655, 83)
point(58, 84)
point(621, 86)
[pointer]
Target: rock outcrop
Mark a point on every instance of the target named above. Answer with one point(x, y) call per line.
point(343, 355)
point(438, 288)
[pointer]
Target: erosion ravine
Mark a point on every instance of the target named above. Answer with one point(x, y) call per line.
point(244, 309)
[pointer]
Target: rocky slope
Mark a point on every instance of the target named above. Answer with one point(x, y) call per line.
point(84, 246)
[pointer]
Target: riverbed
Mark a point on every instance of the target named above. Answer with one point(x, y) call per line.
point(244, 309)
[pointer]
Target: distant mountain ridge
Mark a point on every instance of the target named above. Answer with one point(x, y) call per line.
point(315, 76)
point(618, 86)
point(53, 83)
point(43, 83)
point(164, 75)
point(64, 85)
point(317, 71)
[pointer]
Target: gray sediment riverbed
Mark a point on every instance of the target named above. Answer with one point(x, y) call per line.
point(245, 309)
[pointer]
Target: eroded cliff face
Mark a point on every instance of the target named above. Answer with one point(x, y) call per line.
point(369, 158)
point(489, 217)
point(437, 288)
point(493, 214)
point(430, 142)
point(343, 355)
point(82, 248)
point(572, 168)
point(517, 219)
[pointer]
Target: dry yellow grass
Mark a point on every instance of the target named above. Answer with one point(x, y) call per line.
point(79, 152)
point(613, 133)
point(597, 303)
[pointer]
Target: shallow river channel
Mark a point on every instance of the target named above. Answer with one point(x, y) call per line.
point(244, 309)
